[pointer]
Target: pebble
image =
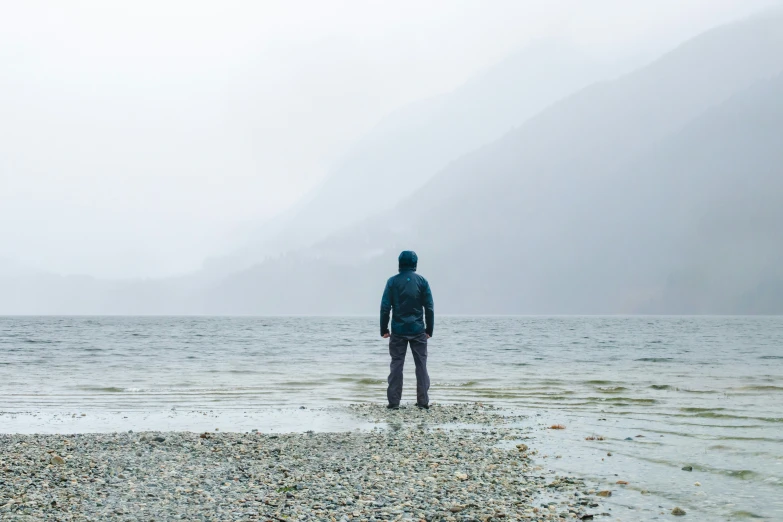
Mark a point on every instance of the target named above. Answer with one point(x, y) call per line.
point(687, 468)
point(422, 472)
point(677, 512)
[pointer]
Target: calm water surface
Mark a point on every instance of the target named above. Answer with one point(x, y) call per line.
point(704, 392)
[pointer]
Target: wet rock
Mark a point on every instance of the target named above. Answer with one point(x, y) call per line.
point(422, 471)
point(605, 493)
point(687, 468)
point(522, 447)
point(57, 460)
point(677, 512)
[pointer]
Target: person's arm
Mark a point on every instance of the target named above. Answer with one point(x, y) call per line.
point(429, 310)
point(386, 307)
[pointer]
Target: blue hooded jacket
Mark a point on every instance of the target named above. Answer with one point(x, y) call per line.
point(409, 297)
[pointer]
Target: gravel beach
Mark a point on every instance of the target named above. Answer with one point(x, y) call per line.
point(455, 462)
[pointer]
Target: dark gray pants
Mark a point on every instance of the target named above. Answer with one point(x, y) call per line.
point(398, 347)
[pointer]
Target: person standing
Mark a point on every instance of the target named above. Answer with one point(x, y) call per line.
point(408, 299)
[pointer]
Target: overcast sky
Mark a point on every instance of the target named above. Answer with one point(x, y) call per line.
point(137, 137)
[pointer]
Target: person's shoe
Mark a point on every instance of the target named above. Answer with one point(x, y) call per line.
point(423, 406)
point(393, 407)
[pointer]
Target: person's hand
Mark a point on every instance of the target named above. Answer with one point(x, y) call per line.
point(429, 336)
point(386, 336)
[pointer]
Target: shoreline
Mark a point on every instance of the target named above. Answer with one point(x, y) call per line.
point(453, 462)
point(266, 419)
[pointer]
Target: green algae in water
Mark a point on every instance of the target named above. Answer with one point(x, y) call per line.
point(490, 394)
point(371, 382)
point(626, 400)
point(105, 389)
point(745, 515)
point(614, 389)
point(761, 388)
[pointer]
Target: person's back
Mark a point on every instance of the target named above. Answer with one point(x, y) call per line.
point(408, 299)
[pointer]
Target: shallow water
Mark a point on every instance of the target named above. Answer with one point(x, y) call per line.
point(705, 392)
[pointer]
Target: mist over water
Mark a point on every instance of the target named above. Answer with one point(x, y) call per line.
point(701, 391)
point(606, 157)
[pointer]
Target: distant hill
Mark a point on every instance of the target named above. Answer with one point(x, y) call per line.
point(411, 145)
point(631, 195)
point(657, 192)
point(12, 268)
point(710, 203)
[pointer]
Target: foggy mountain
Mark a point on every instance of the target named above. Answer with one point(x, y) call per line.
point(411, 145)
point(655, 192)
point(13, 268)
point(723, 221)
point(659, 191)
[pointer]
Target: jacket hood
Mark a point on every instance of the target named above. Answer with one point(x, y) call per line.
point(408, 260)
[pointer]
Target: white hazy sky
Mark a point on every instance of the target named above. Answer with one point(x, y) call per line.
point(136, 137)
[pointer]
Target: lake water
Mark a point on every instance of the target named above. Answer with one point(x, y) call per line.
point(705, 392)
